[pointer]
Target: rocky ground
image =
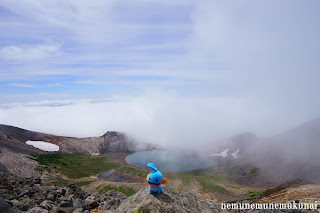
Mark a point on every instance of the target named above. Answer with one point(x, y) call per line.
point(307, 192)
point(17, 163)
point(30, 195)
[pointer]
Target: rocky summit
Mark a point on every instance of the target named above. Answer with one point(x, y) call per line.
point(30, 195)
point(168, 201)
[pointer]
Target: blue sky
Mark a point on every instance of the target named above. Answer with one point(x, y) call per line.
point(83, 49)
point(117, 45)
point(262, 54)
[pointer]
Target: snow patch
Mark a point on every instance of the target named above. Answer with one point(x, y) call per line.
point(45, 146)
point(235, 154)
point(222, 154)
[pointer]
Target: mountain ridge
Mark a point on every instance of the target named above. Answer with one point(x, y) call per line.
point(15, 153)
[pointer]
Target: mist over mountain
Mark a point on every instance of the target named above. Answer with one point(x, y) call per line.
point(288, 156)
point(296, 152)
point(163, 118)
point(291, 155)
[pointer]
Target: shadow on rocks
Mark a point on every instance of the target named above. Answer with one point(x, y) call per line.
point(163, 197)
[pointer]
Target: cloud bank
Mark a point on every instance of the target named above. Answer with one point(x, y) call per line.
point(163, 118)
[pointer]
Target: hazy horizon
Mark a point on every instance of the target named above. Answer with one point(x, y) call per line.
point(179, 72)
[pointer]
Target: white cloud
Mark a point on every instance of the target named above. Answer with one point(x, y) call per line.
point(28, 52)
point(54, 103)
point(257, 37)
point(89, 82)
point(159, 117)
point(13, 100)
point(268, 49)
point(20, 85)
point(54, 84)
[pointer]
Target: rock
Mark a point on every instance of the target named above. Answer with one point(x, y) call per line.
point(189, 201)
point(51, 197)
point(78, 210)
point(45, 176)
point(15, 203)
point(66, 203)
point(112, 199)
point(64, 210)
point(38, 197)
point(4, 206)
point(209, 206)
point(37, 181)
point(75, 191)
point(27, 192)
point(69, 205)
point(3, 136)
point(38, 210)
point(7, 196)
point(44, 190)
point(92, 201)
point(61, 191)
point(28, 204)
point(72, 186)
point(47, 204)
point(28, 181)
point(54, 209)
point(168, 201)
point(77, 203)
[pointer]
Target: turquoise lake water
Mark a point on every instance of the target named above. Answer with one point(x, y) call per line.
point(169, 161)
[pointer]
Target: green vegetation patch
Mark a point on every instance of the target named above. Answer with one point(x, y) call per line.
point(134, 171)
point(124, 189)
point(210, 181)
point(250, 172)
point(83, 183)
point(75, 165)
point(61, 182)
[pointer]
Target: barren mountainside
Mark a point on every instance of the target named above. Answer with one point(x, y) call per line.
point(14, 150)
point(14, 139)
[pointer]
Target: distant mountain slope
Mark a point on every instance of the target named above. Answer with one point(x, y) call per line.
point(14, 139)
point(239, 144)
point(294, 154)
point(14, 150)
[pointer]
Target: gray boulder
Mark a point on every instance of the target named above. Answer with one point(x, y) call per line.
point(4, 206)
point(168, 201)
point(15, 203)
point(92, 201)
point(112, 199)
point(38, 210)
point(75, 191)
point(47, 204)
point(78, 210)
point(28, 204)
